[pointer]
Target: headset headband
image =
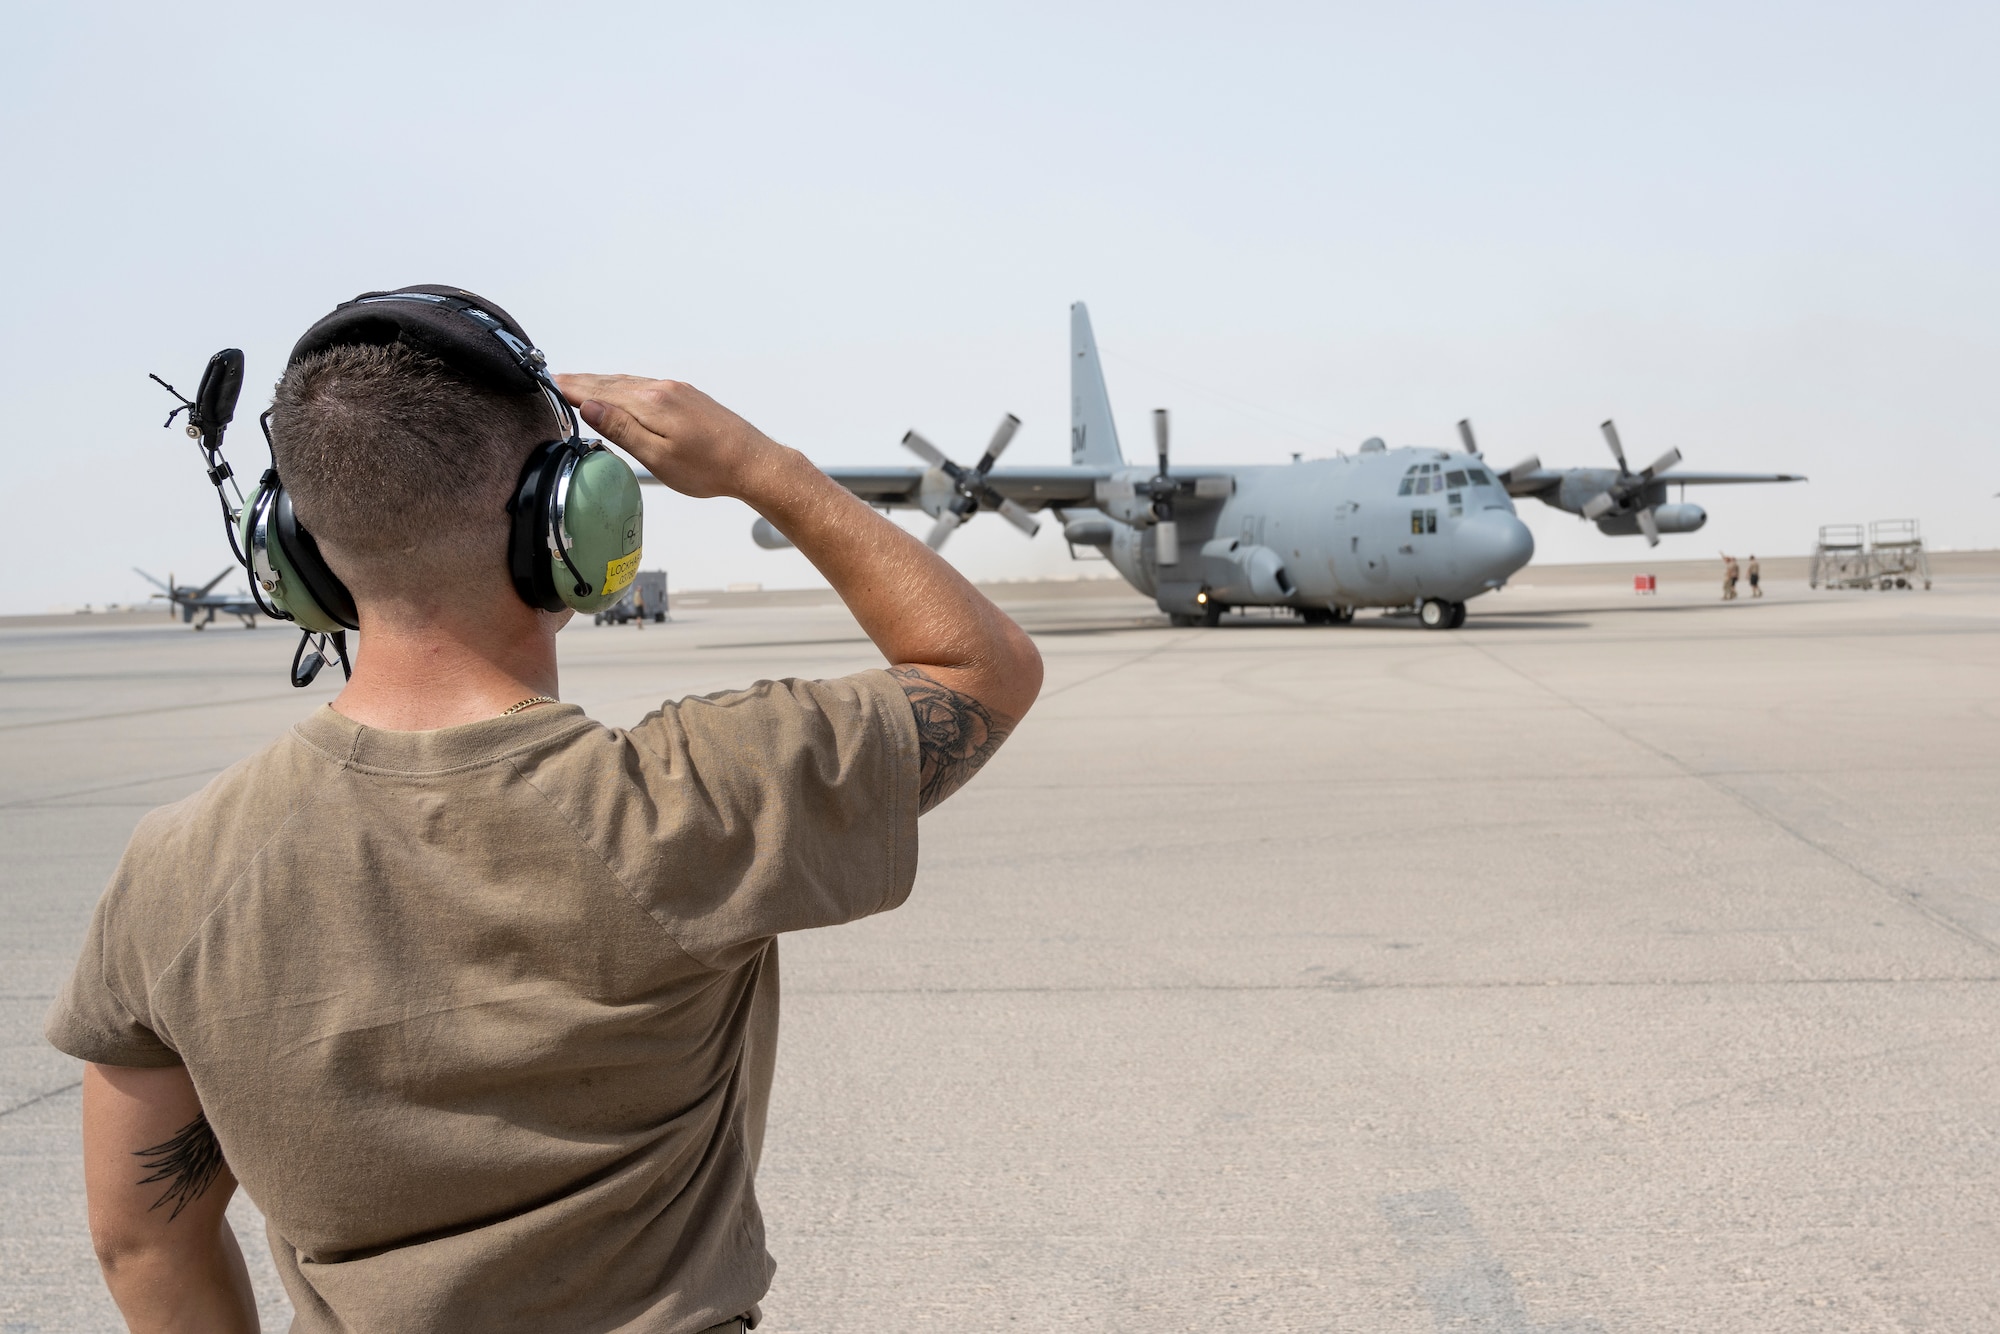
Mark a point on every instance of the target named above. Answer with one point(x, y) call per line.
point(462, 329)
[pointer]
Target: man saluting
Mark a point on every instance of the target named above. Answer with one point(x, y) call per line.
point(478, 997)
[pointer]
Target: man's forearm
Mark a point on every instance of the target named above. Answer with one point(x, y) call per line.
point(914, 605)
point(969, 672)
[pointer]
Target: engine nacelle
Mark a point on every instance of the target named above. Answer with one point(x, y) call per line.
point(1670, 518)
point(1087, 532)
point(1237, 572)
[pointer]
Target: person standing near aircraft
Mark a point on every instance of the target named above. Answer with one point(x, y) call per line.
point(1756, 576)
point(475, 996)
point(1730, 574)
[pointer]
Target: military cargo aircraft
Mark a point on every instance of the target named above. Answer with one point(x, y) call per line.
point(188, 599)
point(1424, 528)
point(1411, 527)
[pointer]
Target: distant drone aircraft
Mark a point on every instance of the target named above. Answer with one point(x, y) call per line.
point(188, 599)
point(1621, 502)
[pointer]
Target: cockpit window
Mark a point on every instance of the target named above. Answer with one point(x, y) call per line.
point(1454, 478)
point(1480, 476)
point(1404, 489)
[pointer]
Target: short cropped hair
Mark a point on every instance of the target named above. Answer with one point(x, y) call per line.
point(400, 466)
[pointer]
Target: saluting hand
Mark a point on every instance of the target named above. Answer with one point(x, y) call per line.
point(682, 436)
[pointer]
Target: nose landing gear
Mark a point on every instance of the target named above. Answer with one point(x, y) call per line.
point(1437, 614)
point(1210, 616)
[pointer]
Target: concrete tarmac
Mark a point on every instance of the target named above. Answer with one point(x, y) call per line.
point(1614, 963)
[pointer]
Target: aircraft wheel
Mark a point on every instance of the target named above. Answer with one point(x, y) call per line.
point(1211, 614)
point(1457, 615)
point(1435, 615)
point(1318, 616)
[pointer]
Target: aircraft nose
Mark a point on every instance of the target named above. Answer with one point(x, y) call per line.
point(1494, 544)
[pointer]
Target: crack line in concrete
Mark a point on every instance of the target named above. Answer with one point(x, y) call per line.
point(1349, 988)
point(140, 713)
point(106, 787)
point(1133, 661)
point(1900, 895)
point(42, 1097)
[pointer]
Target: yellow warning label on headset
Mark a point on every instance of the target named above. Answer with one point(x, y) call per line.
point(620, 572)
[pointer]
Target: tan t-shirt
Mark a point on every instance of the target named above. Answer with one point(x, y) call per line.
point(485, 1018)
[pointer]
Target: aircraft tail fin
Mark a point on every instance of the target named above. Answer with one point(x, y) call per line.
point(1093, 436)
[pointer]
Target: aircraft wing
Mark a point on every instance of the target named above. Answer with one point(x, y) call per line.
point(1527, 482)
point(1678, 478)
point(1030, 488)
point(1534, 481)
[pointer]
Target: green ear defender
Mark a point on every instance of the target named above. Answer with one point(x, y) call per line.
point(578, 527)
point(291, 575)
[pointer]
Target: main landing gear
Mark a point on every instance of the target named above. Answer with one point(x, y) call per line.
point(1326, 615)
point(1437, 614)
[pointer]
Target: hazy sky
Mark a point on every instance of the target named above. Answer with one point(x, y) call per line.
point(1763, 233)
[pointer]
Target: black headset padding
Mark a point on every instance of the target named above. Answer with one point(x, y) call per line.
point(439, 330)
point(527, 541)
point(303, 553)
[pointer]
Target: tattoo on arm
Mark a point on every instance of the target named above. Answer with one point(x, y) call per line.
point(188, 1163)
point(955, 735)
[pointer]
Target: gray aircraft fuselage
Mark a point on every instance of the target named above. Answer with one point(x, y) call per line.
point(1382, 528)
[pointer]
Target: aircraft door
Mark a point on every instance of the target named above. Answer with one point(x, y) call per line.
point(1343, 560)
point(1370, 548)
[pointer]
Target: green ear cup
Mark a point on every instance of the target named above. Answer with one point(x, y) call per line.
point(603, 521)
point(276, 575)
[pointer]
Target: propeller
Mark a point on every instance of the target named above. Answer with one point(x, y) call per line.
point(969, 486)
point(1532, 463)
point(1465, 434)
point(1162, 488)
point(1630, 486)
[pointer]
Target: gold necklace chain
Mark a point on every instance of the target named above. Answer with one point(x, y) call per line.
point(529, 703)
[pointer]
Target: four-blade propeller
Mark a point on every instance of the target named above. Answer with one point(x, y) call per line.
point(1631, 488)
point(969, 487)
